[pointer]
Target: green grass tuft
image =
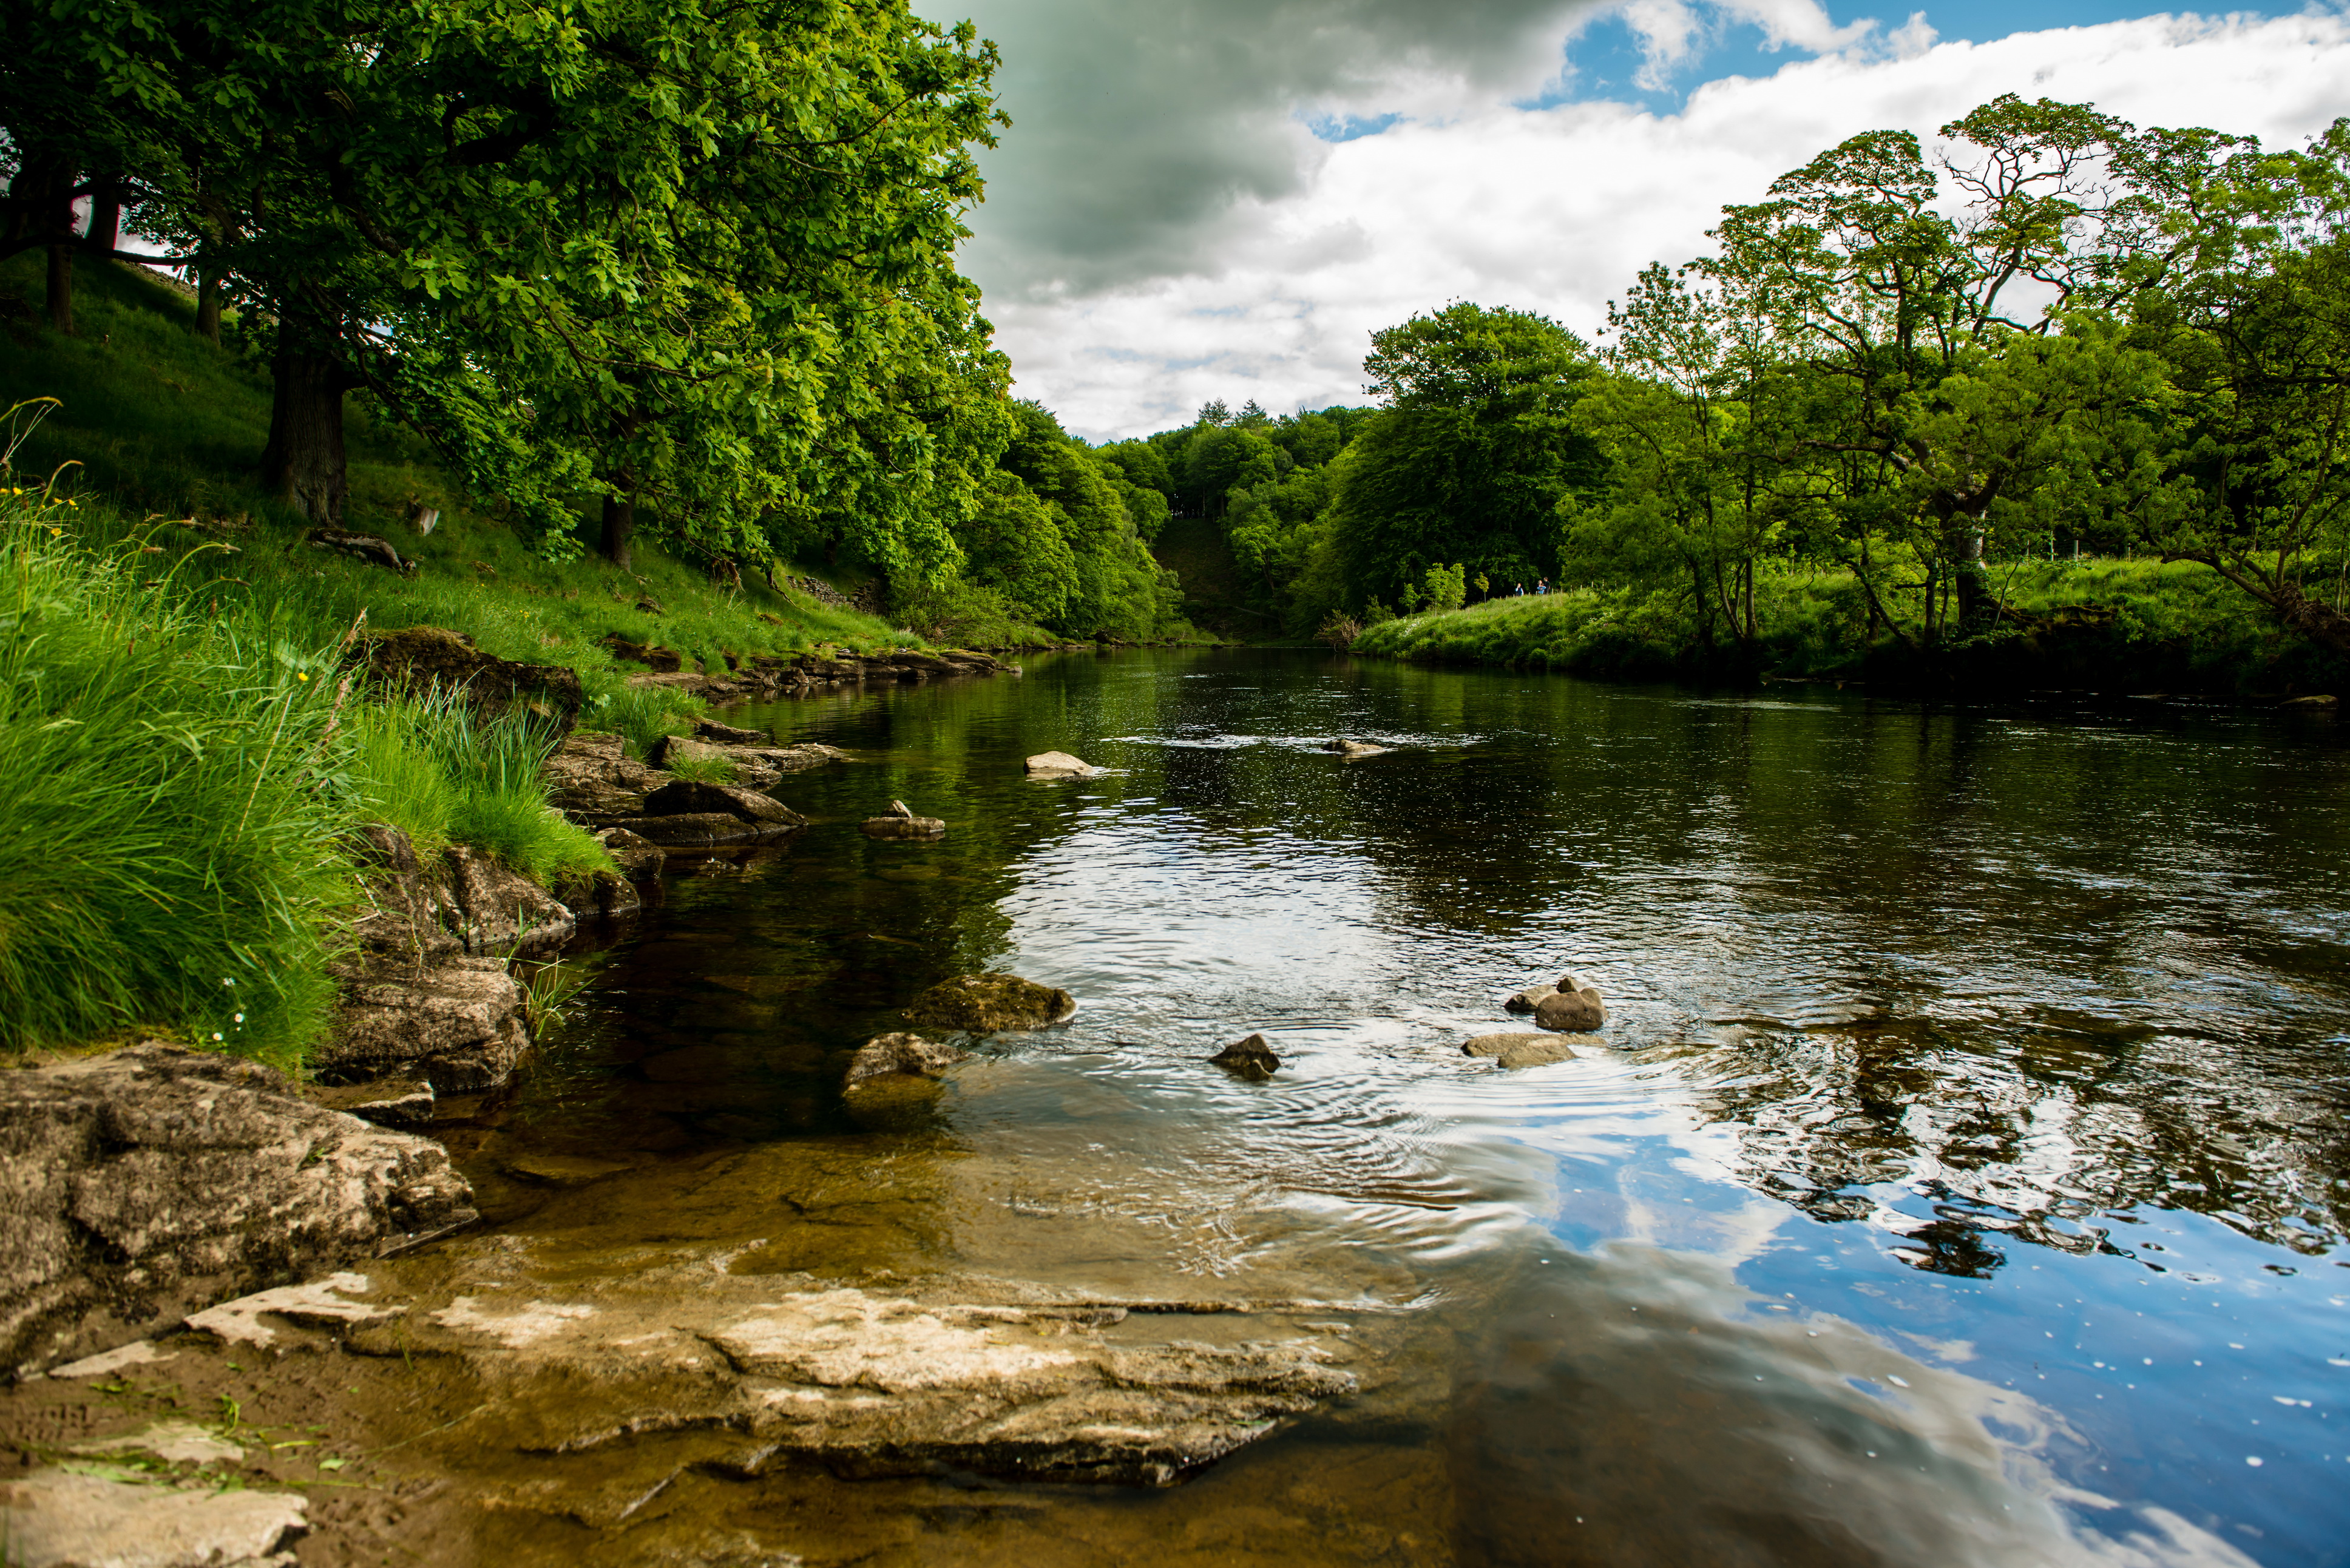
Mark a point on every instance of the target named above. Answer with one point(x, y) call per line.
point(168, 838)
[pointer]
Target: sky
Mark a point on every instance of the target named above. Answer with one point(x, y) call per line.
point(1205, 199)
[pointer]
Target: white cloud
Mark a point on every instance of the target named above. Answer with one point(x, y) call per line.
point(1555, 210)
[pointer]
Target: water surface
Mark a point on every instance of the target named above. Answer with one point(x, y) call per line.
point(1961, 1179)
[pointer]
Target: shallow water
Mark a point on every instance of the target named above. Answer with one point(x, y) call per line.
point(1961, 1177)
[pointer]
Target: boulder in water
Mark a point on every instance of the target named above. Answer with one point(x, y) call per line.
point(1059, 765)
point(983, 1003)
point(1353, 748)
point(900, 1056)
point(686, 798)
point(1571, 1011)
point(1252, 1058)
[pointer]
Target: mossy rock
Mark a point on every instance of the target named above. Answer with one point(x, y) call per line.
point(983, 1003)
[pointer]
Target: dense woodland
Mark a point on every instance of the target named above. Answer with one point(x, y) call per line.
point(2058, 336)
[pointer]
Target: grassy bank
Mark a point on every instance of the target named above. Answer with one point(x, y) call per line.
point(2096, 624)
point(178, 780)
point(160, 422)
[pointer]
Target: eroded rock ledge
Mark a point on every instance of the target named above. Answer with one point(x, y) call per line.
point(146, 1183)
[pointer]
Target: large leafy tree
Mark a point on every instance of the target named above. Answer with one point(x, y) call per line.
point(692, 251)
point(1474, 449)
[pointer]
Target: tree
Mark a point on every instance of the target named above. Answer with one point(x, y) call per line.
point(1471, 453)
point(697, 251)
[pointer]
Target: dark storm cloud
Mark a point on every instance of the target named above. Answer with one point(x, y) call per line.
point(1145, 130)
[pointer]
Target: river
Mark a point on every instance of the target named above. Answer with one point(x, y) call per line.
point(1961, 1177)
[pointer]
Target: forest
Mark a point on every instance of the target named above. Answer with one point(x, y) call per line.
point(638, 271)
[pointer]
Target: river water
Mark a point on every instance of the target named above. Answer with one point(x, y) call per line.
point(1961, 1177)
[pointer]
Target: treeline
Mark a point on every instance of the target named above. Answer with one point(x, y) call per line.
point(676, 269)
point(2057, 334)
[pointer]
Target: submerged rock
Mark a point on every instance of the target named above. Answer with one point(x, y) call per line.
point(1353, 748)
point(909, 1055)
point(151, 1183)
point(1252, 1058)
point(872, 1384)
point(1059, 765)
point(1520, 1050)
point(982, 1003)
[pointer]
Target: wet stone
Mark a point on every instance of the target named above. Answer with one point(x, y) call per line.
point(1059, 765)
point(983, 1003)
point(1571, 1010)
point(1520, 1050)
point(1252, 1058)
point(900, 1056)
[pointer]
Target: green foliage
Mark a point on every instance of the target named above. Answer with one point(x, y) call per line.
point(167, 839)
point(703, 769)
point(2118, 625)
point(423, 198)
point(1443, 590)
point(1473, 454)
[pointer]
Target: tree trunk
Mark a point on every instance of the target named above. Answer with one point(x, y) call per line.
point(619, 523)
point(208, 303)
point(104, 231)
point(305, 461)
point(60, 300)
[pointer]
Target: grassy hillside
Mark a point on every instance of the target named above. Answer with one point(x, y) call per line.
point(154, 423)
point(2129, 626)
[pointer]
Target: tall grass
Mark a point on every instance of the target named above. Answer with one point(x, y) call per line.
point(167, 828)
point(431, 766)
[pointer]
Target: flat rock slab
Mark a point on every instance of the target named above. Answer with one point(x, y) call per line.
point(878, 1383)
point(61, 1521)
point(561, 1169)
point(1059, 765)
point(1520, 1050)
point(983, 1003)
point(177, 1442)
